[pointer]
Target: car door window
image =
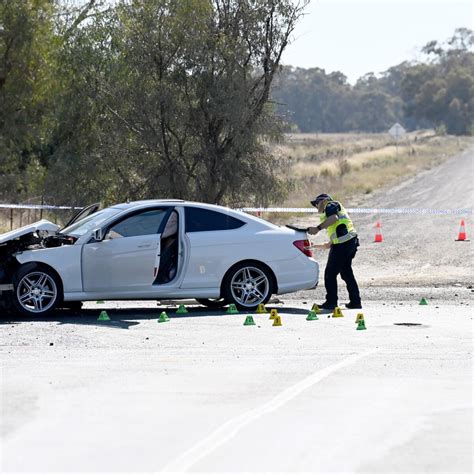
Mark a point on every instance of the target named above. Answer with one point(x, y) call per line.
point(201, 220)
point(143, 223)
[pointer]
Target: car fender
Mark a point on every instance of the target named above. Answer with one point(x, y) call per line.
point(64, 260)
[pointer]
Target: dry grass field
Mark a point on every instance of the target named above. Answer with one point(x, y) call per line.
point(350, 166)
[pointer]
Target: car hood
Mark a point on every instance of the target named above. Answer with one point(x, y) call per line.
point(42, 225)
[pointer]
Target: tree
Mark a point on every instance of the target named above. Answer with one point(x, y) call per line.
point(442, 91)
point(80, 166)
point(438, 91)
point(26, 84)
point(320, 102)
point(314, 100)
point(33, 84)
point(183, 88)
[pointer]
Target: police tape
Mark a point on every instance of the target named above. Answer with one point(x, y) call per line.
point(35, 206)
point(355, 210)
point(362, 210)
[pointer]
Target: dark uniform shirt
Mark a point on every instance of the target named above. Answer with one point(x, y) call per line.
point(332, 208)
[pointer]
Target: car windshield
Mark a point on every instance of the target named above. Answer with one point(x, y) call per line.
point(89, 223)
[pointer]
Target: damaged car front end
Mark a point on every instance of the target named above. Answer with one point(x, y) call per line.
point(41, 234)
point(33, 287)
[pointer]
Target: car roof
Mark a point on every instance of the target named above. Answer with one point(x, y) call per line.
point(145, 202)
point(157, 202)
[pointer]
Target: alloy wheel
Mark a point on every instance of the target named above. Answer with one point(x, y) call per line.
point(249, 286)
point(37, 292)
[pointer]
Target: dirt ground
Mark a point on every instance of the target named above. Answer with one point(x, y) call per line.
point(417, 249)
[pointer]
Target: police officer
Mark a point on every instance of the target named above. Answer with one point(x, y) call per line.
point(343, 247)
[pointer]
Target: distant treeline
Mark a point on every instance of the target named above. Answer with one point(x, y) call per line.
point(438, 92)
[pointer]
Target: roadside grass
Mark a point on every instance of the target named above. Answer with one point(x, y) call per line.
point(350, 166)
point(313, 147)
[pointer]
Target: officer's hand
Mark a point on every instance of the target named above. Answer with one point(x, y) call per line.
point(312, 230)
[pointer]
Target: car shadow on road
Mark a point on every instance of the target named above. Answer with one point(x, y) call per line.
point(124, 318)
point(79, 318)
point(121, 318)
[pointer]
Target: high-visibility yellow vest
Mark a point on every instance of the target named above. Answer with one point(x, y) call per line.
point(343, 218)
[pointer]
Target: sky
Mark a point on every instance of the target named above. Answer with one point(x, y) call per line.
point(361, 36)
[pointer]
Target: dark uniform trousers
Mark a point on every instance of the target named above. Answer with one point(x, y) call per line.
point(340, 262)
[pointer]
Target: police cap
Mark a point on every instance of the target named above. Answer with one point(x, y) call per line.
point(319, 198)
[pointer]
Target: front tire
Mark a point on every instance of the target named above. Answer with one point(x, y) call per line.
point(37, 290)
point(247, 285)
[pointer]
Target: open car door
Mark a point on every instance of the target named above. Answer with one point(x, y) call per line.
point(129, 259)
point(84, 212)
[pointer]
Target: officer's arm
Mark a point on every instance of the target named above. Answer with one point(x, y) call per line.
point(329, 221)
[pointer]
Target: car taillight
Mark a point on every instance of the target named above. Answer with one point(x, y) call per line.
point(301, 245)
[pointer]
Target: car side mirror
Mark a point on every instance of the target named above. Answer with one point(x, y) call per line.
point(98, 235)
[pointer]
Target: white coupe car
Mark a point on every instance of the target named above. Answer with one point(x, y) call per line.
point(156, 249)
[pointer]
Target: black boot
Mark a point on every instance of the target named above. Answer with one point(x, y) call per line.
point(351, 305)
point(329, 306)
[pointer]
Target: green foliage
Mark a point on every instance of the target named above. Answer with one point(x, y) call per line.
point(316, 101)
point(171, 99)
point(139, 99)
point(26, 89)
point(442, 91)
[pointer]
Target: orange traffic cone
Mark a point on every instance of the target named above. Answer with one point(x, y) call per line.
point(378, 233)
point(462, 236)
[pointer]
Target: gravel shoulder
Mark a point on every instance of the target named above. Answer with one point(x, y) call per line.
point(418, 250)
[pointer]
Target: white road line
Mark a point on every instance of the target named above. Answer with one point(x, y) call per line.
point(229, 429)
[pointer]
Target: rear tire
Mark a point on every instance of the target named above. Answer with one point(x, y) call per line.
point(37, 290)
point(247, 285)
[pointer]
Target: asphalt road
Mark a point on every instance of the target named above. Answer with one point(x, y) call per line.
point(204, 393)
